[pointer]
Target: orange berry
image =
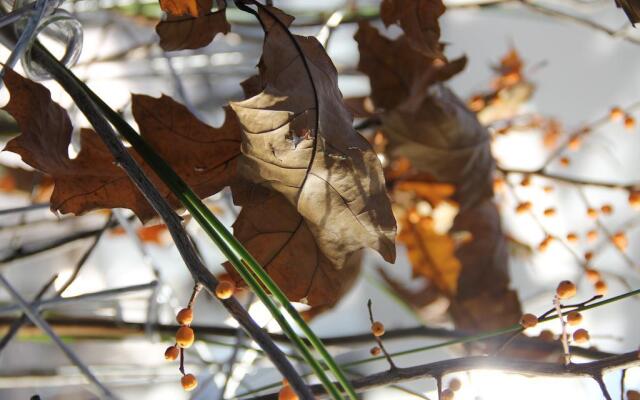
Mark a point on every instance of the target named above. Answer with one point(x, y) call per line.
point(547, 335)
point(189, 382)
point(607, 209)
point(588, 255)
point(528, 321)
point(574, 318)
point(629, 123)
point(446, 394)
point(455, 384)
point(185, 337)
point(545, 243)
point(593, 276)
point(634, 199)
point(601, 288)
point(592, 235)
point(565, 161)
point(572, 237)
point(574, 143)
point(620, 240)
point(581, 336)
point(225, 289)
point(566, 290)
point(526, 181)
point(616, 114)
point(287, 393)
point(375, 351)
point(185, 316)
point(592, 213)
point(523, 207)
point(633, 395)
point(548, 189)
point(377, 328)
point(498, 185)
point(171, 353)
point(549, 212)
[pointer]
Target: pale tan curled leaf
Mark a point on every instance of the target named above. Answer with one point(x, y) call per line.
point(395, 68)
point(299, 141)
point(204, 156)
point(280, 239)
point(419, 21)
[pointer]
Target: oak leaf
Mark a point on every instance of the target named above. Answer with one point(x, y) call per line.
point(204, 156)
point(193, 31)
point(280, 239)
point(298, 140)
point(419, 20)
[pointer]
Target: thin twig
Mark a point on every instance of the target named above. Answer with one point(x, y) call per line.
point(392, 365)
point(42, 324)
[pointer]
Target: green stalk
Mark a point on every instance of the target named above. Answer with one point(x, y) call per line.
point(246, 265)
point(467, 339)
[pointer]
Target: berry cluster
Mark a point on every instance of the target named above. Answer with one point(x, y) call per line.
point(184, 339)
point(449, 392)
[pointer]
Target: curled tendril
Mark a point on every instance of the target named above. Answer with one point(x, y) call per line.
point(58, 30)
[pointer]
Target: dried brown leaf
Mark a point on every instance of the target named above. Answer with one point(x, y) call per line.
point(419, 20)
point(304, 147)
point(204, 156)
point(280, 239)
point(179, 33)
point(395, 68)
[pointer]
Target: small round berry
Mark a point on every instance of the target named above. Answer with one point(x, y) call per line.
point(616, 114)
point(225, 289)
point(455, 384)
point(526, 181)
point(572, 237)
point(185, 316)
point(287, 393)
point(548, 189)
point(446, 394)
point(185, 337)
point(592, 213)
point(574, 143)
point(634, 199)
point(375, 351)
point(549, 212)
point(593, 275)
point(528, 321)
point(629, 123)
point(171, 353)
point(565, 161)
point(547, 335)
point(189, 382)
point(545, 243)
point(499, 183)
point(620, 240)
point(588, 255)
point(574, 318)
point(581, 336)
point(523, 207)
point(633, 395)
point(377, 328)
point(607, 209)
point(601, 287)
point(566, 290)
point(592, 236)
